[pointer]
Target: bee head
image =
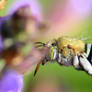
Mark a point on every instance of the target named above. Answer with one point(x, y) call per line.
point(52, 55)
point(51, 43)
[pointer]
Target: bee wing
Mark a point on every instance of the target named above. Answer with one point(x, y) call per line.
point(84, 38)
point(86, 64)
point(87, 39)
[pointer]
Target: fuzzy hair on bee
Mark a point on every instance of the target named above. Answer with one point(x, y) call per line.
point(68, 51)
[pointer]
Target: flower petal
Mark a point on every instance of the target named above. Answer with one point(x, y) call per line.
point(11, 82)
point(35, 8)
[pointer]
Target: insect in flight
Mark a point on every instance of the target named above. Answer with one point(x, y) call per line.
point(68, 51)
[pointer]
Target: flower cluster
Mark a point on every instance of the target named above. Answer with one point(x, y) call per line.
point(12, 26)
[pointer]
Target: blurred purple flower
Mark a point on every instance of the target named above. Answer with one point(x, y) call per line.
point(11, 82)
point(70, 10)
point(1, 46)
point(82, 7)
point(26, 9)
point(35, 8)
point(2, 20)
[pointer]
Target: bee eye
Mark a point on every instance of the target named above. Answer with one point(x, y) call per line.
point(53, 44)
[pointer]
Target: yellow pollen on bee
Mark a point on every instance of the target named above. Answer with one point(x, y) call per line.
point(76, 45)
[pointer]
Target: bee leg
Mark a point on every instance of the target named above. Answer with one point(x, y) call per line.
point(86, 64)
point(76, 62)
point(59, 58)
point(37, 67)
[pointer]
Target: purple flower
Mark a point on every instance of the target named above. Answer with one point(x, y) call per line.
point(82, 7)
point(24, 9)
point(11, 81)
point(35, 8)
point(1, 46)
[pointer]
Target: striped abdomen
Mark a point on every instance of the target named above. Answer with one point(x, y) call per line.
point(88, 51)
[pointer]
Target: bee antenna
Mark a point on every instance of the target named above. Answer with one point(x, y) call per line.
point(39, 44)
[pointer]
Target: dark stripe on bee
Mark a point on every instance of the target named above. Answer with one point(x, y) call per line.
point(85, 48)
point(90, 55)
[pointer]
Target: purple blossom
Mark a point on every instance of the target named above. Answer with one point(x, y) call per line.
point(82, 7)
point(63, 12)
point(35, 8)
point(1, 46)
point(2, 20)
point(11, 82)
point(31, 8)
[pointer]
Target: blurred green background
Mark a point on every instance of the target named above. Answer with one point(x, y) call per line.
point(79, 81)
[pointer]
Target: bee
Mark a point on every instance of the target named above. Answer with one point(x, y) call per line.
point(68, 51)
